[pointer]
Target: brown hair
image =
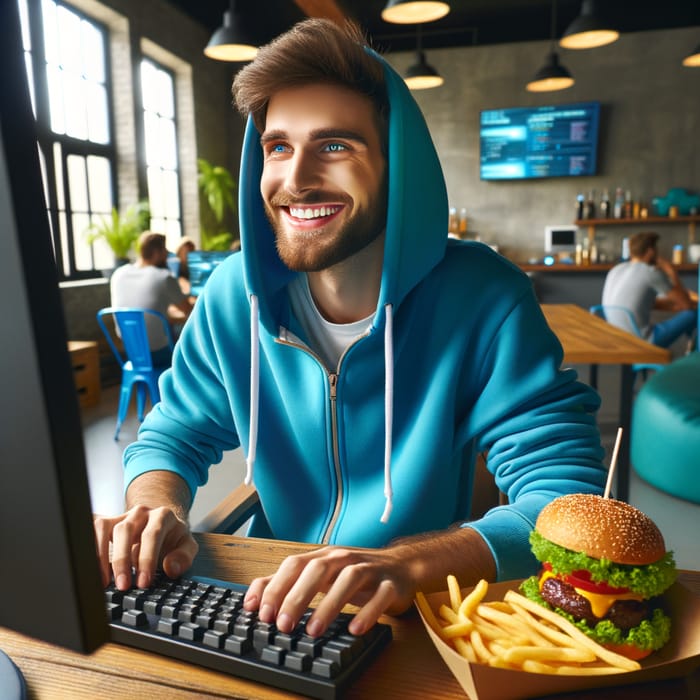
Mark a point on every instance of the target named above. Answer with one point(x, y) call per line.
point(641, 242)
point(149, 244)
point(313, 51)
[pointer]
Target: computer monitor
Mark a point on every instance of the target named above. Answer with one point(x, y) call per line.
point(560, 239)
point(47, 544)
point(201, 263)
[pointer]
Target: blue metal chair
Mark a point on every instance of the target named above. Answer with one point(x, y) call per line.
point(623, 318)
point(135, 360)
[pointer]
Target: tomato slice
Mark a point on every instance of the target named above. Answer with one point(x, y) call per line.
point(629, 650)
point(582, 579)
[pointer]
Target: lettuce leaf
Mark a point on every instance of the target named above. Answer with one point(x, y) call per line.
point(648, 581)
point(651, 634)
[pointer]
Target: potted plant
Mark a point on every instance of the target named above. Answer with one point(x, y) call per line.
point(216, 187)
point(120, 230)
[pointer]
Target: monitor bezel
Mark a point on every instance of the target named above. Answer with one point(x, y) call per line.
point(47, 541)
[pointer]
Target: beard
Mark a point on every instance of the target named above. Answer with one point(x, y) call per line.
point(330, 244)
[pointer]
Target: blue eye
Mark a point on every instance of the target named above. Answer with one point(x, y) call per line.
point(336, 147)
point(278, 148)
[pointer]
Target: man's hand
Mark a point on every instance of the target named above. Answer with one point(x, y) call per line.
point(376, 580)
point(152, 532)
point(677, 298)
point(143, 538)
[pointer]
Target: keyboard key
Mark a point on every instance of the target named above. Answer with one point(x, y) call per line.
point(286, 641)
point(214, 639)
point(168, 625)
point(238, 645)
point(190, 631)
point(310, 645)
point(114, 611)
point(224, 625)
point(296, 661)
point(339, 653)
point(273, 655)
point(325, 668)
point(135, 618)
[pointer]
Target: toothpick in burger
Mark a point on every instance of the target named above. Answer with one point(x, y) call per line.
point(604, 565)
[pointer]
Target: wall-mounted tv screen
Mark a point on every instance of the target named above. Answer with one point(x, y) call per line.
point(530, 142)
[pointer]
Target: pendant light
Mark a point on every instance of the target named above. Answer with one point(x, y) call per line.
point(421, 75)
point(414, 11)
point(230, 42)
point(588, 31)
point(552, 75)
point(692, 60)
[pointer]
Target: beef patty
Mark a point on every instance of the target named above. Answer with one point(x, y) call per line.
point(625, 614)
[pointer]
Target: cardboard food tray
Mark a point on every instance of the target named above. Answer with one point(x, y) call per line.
point(480, 682)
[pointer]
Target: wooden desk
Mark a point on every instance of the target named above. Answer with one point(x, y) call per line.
point(590, 340)
point(410, 667)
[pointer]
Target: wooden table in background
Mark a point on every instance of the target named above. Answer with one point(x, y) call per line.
point(410, 667)
point(85, 360)
point(588, 339)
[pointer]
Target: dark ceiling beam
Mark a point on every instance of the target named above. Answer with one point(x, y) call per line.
point(327, 9)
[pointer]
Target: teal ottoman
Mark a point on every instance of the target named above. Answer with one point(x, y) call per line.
point(665, 437)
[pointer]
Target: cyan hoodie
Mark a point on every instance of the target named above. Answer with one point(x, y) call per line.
point(458, 360)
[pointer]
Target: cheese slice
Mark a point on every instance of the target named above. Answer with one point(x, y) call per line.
point(600, 602)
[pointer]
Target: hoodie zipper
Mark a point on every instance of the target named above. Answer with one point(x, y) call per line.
point(333, 388)
point(333, 383)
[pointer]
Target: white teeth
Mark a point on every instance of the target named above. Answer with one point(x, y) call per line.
point(312, 213)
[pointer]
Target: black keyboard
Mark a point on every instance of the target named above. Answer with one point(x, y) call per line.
point(202, 621)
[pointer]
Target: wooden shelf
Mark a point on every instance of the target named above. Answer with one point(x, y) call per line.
point(591, 224)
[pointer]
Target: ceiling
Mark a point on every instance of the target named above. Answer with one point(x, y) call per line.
point(470, 22)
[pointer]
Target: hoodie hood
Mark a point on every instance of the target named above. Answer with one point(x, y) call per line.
point(416, 229)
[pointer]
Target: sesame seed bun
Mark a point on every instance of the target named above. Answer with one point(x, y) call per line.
point(601, 528)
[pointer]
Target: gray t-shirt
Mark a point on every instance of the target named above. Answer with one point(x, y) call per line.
point(147, 287)
point(634, 285)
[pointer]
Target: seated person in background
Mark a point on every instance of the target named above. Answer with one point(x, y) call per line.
point(184, 248)
point(343, 325)
point(149, 284)
point(645, 282)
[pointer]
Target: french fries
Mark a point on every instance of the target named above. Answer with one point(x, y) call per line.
point(516, 633)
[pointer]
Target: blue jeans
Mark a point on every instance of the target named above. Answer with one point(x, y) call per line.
point(667, 331)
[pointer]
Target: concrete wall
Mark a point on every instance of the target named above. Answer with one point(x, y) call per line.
point(650, 130)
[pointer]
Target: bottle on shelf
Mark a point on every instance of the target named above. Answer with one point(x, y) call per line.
point(453, 222)
point(462, 223)
point(593, 254)
point(589, 206)
point(678, 255)
point(625, 248)
point(628, 204)
point(618, 207)
point(605, 205)
point(580, 199)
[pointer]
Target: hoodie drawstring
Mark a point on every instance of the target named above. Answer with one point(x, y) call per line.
point(254, 388)
point(388, 399)
point(388, 408)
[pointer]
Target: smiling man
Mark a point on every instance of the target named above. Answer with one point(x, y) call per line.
point(359, 359)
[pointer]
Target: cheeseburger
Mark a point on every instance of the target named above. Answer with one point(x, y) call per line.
point(604, 563)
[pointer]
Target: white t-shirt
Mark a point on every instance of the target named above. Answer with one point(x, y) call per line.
point(635, 285)
point(147, 287)
point(329, 340)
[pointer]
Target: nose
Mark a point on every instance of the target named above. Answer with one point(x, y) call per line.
point(303, 172)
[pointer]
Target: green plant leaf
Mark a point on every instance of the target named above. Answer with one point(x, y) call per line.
point(217, 187)
point(120, 230)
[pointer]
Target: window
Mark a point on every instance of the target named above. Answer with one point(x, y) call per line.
point(67, 66)
point(87, 113)
point(160, 139)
